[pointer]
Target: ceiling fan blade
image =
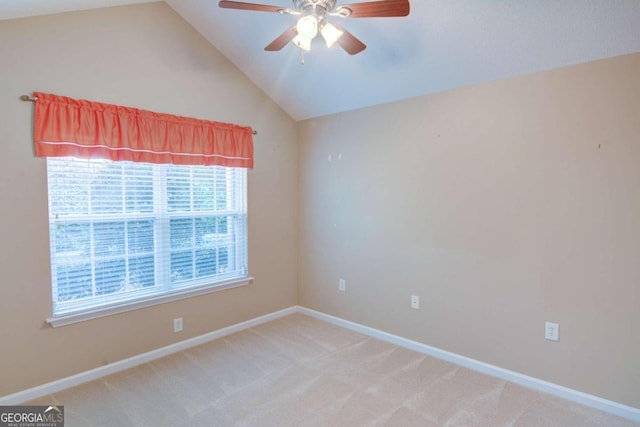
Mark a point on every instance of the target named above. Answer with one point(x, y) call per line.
point(251, 6)
point(350, 43)
point(282, 40)
point(374, 9)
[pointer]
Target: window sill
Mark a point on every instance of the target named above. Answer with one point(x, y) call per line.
point(68, 319)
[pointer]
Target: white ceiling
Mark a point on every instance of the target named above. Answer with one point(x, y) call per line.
point(442, 44)
point(10, 9)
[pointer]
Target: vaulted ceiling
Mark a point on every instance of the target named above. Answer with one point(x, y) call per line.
point(442, 44)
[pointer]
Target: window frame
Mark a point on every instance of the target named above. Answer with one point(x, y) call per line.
point(163, 291)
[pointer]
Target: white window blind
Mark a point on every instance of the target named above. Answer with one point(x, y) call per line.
point(122, 231)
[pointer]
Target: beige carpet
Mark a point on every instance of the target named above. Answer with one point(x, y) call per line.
point(299, 371)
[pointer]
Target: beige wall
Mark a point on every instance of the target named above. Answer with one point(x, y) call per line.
point(144, 56)
point(502, 206)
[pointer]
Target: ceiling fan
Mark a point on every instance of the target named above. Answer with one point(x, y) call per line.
point(313, 20)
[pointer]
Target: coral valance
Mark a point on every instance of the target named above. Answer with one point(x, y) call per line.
point(86, 129)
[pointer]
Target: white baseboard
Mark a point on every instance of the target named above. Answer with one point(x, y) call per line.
point(585, 399)
point(609, 406)
point(112, 368)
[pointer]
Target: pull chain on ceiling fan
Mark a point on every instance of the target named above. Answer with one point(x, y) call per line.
point(313, 20)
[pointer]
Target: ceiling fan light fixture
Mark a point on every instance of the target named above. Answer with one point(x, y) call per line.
point(302, 42)
point(307, 27)
point(312, 19)
point(330, 34)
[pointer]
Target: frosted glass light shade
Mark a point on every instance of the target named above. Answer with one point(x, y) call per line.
point(330, 34)
point(307, 27)
point(302, 42)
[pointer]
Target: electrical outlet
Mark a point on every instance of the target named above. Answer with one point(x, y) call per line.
point(552, 331)
point(342, 285)
point(415, 302)
point(177, 324)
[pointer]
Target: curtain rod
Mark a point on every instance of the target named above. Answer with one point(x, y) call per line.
point(32, 98)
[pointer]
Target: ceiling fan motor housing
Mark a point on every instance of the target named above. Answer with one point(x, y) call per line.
point(319, 8)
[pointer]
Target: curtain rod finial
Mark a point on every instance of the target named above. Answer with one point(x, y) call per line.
point(28, 98)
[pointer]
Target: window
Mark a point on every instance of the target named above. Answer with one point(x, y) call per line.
point(123, 232)
point(144, 207)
